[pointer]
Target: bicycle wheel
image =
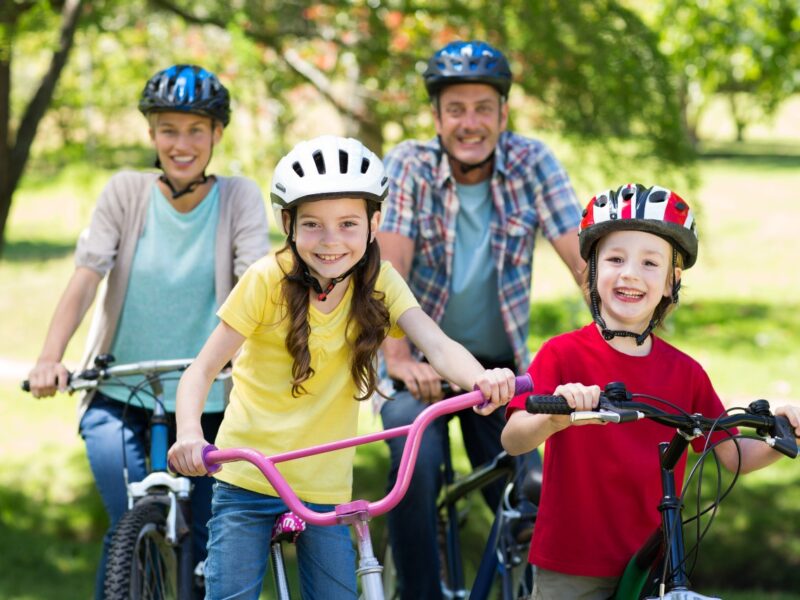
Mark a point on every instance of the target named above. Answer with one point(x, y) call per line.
point(142, 564)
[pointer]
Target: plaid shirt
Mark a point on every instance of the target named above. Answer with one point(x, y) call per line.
point(530, 190)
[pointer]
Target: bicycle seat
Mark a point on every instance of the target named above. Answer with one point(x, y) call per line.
point(532, 485)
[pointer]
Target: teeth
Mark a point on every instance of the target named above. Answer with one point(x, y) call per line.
point(328, 256)
point(471, 140)
point(183, 159)
point(630, 294)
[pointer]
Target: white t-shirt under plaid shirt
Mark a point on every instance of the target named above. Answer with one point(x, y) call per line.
point(530, 191)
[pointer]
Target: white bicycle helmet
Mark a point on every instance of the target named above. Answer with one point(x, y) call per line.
point(328, 166)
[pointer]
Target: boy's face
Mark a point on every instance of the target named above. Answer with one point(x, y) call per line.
point(633, 274)
point(331, 235)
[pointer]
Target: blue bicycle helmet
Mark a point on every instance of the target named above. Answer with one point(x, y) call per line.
point(187, 88)
point(467, 62)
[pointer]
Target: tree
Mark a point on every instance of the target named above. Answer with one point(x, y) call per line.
point(15, 146)
point(746, 50)
point(593, 64)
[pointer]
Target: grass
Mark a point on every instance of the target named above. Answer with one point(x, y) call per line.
point(740, 316)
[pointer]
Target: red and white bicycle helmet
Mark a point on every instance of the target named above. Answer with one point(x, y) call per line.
point(633, 206)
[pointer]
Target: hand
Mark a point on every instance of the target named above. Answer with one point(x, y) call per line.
point(498, 387)
point(792, 413)
point(47, 377)
point(186, 456)
point(579, 397)
point(420, 379)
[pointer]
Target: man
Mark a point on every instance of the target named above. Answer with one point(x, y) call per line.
point(460, 224)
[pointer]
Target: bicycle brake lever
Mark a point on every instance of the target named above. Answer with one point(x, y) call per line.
point(782, 437)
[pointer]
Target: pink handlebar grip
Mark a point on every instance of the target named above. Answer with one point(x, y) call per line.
point(210, 467)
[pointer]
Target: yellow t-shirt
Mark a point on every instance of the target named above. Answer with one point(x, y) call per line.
point(264, 415)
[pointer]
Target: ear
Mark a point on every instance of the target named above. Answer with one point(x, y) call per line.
point(217, 133)
point(286, 218)
point(672, 281)
point(503, 114)
point(437, 113)
point(374, 224)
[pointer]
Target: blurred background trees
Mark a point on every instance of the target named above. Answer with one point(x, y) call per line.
point(621, 81)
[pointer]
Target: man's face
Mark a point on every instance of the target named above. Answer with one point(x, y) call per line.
point(469, 120)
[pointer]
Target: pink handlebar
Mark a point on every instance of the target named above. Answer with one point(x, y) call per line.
point(213, 457)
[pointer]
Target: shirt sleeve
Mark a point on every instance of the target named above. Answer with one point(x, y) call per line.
point(557, 205)
point(244, 308)
point(98, 243)
point(707, 402)
point(250, 236)
point(404, 189)
point(398, 297)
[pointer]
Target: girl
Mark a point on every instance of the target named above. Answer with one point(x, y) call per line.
point(637, 242)
point(171, 246)
point(309, 322)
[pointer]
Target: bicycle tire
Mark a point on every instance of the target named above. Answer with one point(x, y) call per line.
point(142, 564)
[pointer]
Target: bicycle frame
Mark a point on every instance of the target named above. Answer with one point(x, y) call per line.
point(356, 513)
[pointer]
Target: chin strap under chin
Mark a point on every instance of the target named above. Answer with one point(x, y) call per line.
point(187, 190)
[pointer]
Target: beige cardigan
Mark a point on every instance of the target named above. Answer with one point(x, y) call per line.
point(108, 246)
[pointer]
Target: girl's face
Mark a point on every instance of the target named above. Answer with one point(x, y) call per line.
point(331, 235)
point(633, 274)
point(183, 142)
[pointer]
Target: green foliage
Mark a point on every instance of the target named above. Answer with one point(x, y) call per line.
point(746, 49)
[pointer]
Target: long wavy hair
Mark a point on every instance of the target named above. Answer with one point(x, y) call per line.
point(367, 325)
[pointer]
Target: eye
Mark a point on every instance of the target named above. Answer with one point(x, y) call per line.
point(454, 111)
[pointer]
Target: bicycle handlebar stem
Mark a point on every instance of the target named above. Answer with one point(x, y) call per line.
point(213, 457)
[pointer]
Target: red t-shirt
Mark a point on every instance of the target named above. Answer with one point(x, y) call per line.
point(602, 483)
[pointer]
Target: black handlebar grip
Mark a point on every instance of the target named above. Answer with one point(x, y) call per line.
point(26, 386)
point(785, 441)
point(547, 405)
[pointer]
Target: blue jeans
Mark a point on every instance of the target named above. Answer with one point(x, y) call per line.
point(103, 430)
point(238, 549)
point(413, 523)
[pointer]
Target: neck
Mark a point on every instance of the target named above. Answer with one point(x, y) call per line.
point(472, 176)
point(627, 345)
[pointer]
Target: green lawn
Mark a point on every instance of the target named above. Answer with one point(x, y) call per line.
point(740, 316)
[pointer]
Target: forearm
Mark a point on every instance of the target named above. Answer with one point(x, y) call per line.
point(525, 432)
point(454, 363)
point(755, 455)
point(191, 399)
point(69, 313)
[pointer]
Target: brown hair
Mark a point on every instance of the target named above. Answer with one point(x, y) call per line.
point(367, 324)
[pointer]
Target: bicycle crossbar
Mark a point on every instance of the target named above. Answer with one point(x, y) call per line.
point(213, 457)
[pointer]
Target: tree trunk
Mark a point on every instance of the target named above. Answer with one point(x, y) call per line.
point(14, 156)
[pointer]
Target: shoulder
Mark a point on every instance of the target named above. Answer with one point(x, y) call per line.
point(242, 189)
point(131, 182)
point(522, 153)
point(415, 153)
point(668, 353)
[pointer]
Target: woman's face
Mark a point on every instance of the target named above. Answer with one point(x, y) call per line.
point(633, 274)
point(331, 235)
point(183, 142)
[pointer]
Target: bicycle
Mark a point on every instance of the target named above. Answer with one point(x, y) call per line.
point(356, 513)
point(503, 560)
point(660, 566)
point(150, 557)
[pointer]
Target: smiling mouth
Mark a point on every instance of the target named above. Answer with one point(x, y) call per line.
point(183, 160)
point(629, 294)
point(329, 258)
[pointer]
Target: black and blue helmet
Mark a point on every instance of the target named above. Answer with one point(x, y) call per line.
point(467, 62)
point(186, 88)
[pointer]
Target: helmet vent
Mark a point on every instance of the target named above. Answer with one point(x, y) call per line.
point(298, 169)
point(658, 196)
point(342, 161)
point(601, 201)
point(319, 160)
point(364, 165)
point(281, 187)
point(384, 180)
